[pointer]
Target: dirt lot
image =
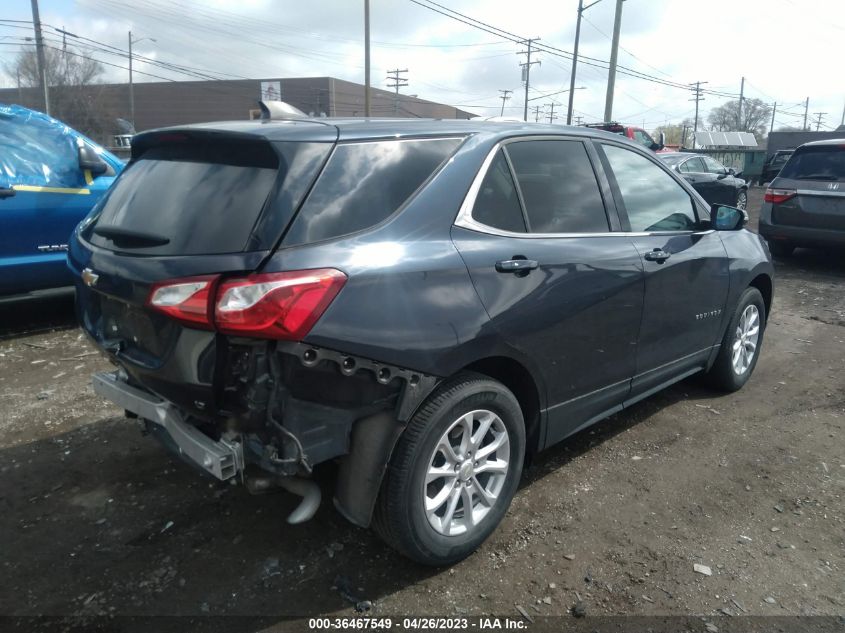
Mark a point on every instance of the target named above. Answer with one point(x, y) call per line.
point(97, 519)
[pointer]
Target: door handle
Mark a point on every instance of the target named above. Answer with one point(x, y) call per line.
point(657, 255)
point(517, 265)
point(7, 193)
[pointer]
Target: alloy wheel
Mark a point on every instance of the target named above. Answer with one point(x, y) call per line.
point(745, 340)
point(466, 472)
point(742, 200)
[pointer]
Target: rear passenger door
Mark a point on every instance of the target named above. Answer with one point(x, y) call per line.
point(685, 264)
point(561, 288)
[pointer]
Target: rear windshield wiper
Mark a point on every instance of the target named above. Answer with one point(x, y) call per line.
point(127, 238)
point(817, 177)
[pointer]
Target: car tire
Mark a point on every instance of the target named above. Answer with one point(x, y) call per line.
point(407, 514)
point(742, 199)
point(779, 248)
point(734, 365)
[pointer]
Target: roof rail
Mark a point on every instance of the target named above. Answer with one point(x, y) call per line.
point(280, 111)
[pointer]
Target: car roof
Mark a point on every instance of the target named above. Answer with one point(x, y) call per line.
point(829, 141)
point(330, 129)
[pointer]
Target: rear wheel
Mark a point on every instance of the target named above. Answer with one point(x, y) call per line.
point(454, 471)
point(740, 347)
point(742, 199)
point(780, 248)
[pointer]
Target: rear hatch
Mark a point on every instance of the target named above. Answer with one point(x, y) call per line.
point(809, 191)
point(192, 203)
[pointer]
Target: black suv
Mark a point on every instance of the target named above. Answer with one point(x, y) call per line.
point(427, 303)
point(805, 203)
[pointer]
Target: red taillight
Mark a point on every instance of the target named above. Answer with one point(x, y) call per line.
point(185, 300)
point(276, 305)
point(267, 305)
point(778, 195)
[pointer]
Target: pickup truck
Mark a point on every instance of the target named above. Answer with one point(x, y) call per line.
point(51, 176)
point(636, 134)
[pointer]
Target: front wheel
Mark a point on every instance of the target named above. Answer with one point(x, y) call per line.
point(454, 471)
point(742, 199)
point(740, 347)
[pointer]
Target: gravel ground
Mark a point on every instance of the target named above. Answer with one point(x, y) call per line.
point(98, 520)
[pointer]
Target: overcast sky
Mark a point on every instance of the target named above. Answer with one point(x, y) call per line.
point(787, 49)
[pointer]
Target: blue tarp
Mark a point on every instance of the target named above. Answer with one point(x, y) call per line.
point(36, 149)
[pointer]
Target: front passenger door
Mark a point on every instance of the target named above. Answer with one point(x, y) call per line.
point(686, 268)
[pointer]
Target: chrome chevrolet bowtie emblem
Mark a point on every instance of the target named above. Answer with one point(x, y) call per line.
point(89, 277)
point(833, 186)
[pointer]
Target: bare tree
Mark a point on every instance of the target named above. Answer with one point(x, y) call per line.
point(755, 117)
point(73, 77)
point(675, 131)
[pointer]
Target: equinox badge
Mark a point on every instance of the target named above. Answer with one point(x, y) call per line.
point(89, 277)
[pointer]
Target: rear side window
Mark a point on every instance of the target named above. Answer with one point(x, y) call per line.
point(822, 162)
point(558, 186)
point(365, 183)
point(653, 199)
point(693, 166)
point(191, 199)
point(497, 204)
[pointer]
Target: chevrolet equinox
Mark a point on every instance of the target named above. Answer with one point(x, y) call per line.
point(425, 303)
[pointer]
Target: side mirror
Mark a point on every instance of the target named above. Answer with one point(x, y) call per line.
point(90, 160)
point(662, 141)
point(724, 218)
point(731, 171)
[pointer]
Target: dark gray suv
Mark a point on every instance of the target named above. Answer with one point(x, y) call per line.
point(805, 203)
point(426, 303)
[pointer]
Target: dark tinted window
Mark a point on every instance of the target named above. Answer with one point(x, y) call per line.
point(780, 159)
point(653, 199)
point(822, 162)
point(364, 183)
point(497, 203)
point(558, 186)
point(203, 197)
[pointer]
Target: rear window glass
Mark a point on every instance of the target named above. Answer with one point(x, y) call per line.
point(823, 162)
point(187, 200)
point(365, 183)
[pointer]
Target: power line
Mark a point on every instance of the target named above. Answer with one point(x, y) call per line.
point(504, 97)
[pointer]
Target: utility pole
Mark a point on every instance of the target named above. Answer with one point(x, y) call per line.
point(842, 122)
point(578, 119)
point(367, 58)
point(819, 122)
point(614, 54)
point(552, 116)
point(806, 108)
point(739, 111)
point(131, 84)
point(581, 9)
point(697, 92)
point(684, 135)
point(774, 109)
point(506, 94)
point(537, 114)
point(42, 65)
point(398, 82)
point(526, 73)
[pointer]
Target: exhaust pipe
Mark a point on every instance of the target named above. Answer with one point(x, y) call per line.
point(305, 488)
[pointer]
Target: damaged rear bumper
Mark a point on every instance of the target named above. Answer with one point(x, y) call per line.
point(224, 459)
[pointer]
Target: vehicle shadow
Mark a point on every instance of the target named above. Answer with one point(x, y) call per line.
point(30, 316)
point(105, 522)
point(824, 262)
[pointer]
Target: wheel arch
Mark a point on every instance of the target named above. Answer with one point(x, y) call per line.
point(519, 380)
point(764, 284)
